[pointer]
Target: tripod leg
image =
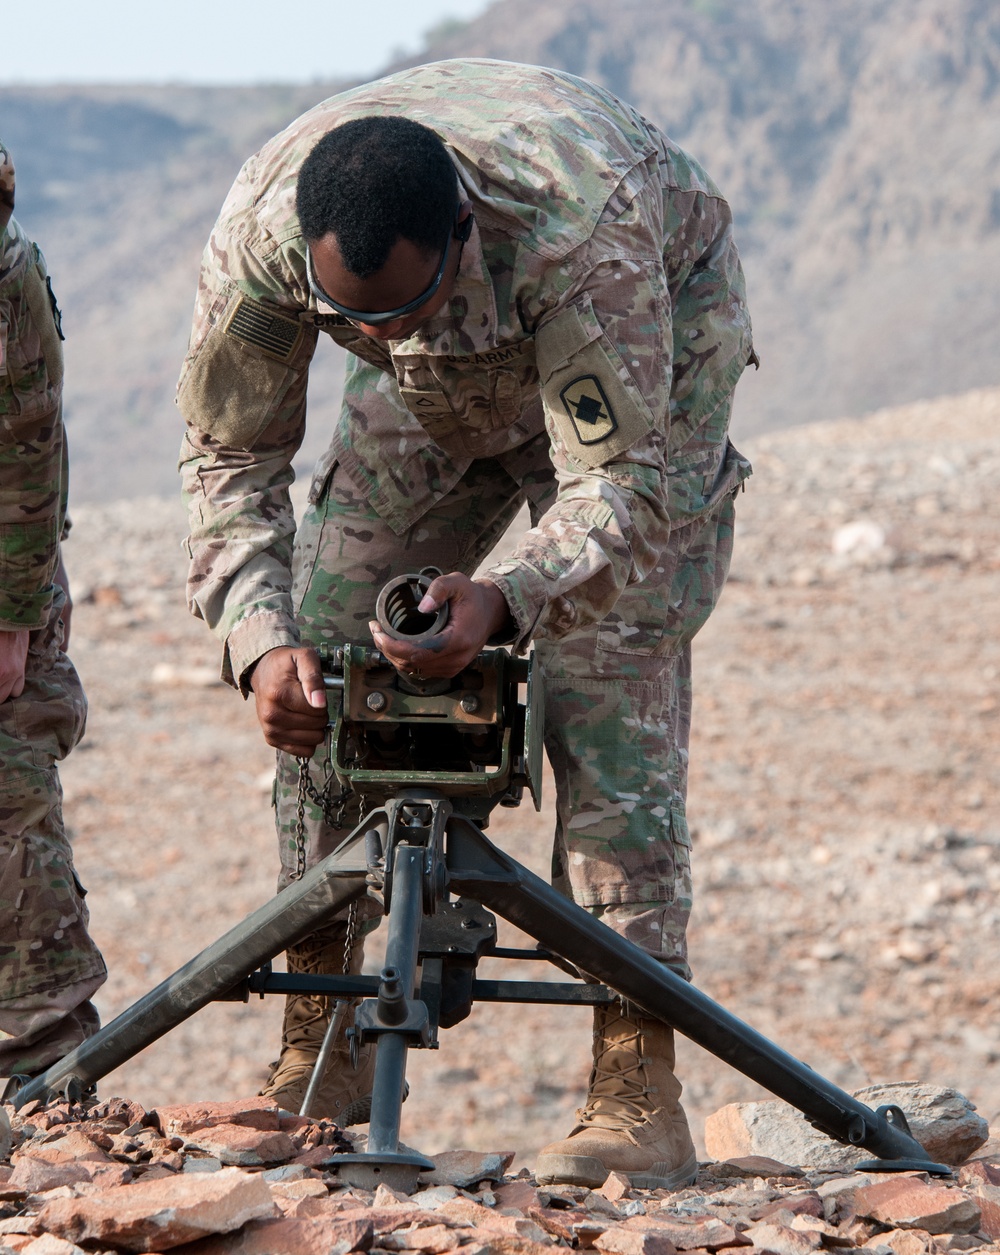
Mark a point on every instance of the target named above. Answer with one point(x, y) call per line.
point(401, 957)
point(298, 910)
point(480, 871)
point(330, 1036)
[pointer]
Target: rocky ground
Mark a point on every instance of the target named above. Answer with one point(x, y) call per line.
point(242, 1178)
point(843, 795)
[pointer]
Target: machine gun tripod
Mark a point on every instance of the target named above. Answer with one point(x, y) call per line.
point(435, 757)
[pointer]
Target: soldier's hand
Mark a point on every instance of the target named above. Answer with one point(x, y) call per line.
point(13, 656)
point(291, 699)
point(477, 610)
point(62, 579)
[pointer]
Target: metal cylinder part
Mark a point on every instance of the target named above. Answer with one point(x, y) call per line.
point(396, 608)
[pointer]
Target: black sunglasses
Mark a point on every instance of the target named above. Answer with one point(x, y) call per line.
point(460, 231)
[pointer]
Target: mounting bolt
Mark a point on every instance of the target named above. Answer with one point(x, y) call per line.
point(376, 701)
point(469, 703)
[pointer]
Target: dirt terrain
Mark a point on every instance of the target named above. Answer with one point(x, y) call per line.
point(843, 794)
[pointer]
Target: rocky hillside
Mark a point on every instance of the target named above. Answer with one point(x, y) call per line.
point(858, 141)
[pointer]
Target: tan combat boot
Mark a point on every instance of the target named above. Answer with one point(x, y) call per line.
point(345, 1094)
point(633, 1122)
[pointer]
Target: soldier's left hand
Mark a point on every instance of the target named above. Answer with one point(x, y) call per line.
point(62, 579)
point(477, 610)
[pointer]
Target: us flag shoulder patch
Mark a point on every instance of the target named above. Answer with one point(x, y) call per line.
point(265, 328)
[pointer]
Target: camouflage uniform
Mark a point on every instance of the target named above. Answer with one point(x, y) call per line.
point(49, 966)
point(586, 364)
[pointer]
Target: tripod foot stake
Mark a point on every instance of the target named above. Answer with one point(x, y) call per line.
point(904, 1165)
point(399, 1170)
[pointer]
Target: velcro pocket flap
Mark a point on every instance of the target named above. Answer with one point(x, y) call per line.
point(238, 378)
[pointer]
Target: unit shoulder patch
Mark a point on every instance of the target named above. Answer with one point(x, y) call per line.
point(589, 409)
point(594, 407)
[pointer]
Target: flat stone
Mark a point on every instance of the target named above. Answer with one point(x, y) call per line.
point(49, 1244)
point(386, 1219)
point(287, 1191)
point(577, 1227)
point(156, 1215)
point(987, 1197)
point(829, 1234)
point(5, 1134)
point(619, 1241)
point(780, 1240)
point(287, 1172)
point(773, 1130)
point(289, 1236)
point(464, 1211)
point(19, 1224)
point(464, 1168)
point(902, 1242)
point(806, 1204)
point(979, 1172)
point(244, 1146)
point(35, 1176)
point(519, 1194)
point(754, 1166)
point(432, 1239)
point(252, 1113)
point(910, 1203)
point(507, 1244)
point(688, 1233)
point(435, 1196)
point(941, 1119)
point(74, 1146)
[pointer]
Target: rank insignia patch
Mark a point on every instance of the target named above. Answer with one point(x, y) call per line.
point(589, 409)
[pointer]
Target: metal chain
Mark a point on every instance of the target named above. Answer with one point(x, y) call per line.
point(333, 808)
point(300, 818)
point(351, 935)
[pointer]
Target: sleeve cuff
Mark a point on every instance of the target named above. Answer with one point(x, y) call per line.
point(250, 640)
point(29, 611)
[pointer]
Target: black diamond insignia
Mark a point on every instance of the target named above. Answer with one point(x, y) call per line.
point(589, 409)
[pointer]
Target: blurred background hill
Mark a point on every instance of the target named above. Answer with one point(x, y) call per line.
point(858, 140)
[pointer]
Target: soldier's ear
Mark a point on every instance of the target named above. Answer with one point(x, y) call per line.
point(464, 221)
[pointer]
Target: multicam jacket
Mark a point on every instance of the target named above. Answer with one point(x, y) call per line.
point(32, 445)
point(599, 299)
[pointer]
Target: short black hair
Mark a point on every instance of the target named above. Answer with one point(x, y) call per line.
point(373, 181)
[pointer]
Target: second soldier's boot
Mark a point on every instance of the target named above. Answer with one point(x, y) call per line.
point(345, 1093)
point(633, 1122)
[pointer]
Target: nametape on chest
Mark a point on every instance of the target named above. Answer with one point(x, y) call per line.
point(591, 400)
point(264, 328)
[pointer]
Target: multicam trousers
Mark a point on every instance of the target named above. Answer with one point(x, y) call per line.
point(49, 965)
point(617, 695)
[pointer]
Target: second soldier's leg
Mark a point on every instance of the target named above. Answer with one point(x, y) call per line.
point(49, 965)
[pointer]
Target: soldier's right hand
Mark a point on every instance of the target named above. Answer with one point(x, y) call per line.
point(291, 699)
point(13, 657)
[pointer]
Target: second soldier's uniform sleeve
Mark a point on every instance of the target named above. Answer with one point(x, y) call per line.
point(32, 443)
point(242, 393)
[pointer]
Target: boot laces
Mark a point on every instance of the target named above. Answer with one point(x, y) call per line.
point(619, 1096)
